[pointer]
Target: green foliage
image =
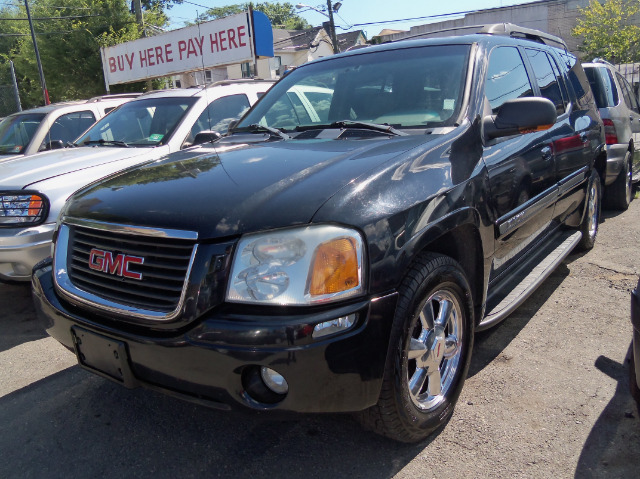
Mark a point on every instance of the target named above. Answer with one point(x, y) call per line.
point(608, 32)
point(281, 15)
point(70, 47)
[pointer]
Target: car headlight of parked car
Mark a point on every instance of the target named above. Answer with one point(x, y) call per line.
point(301, 266)
point(22, 208)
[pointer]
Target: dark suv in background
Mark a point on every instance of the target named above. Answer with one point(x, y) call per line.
point(618, 107)
point(337, 250)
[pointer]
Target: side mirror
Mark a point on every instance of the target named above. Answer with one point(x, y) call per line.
point(54, 145)
point(522, 115)
point(206, 136)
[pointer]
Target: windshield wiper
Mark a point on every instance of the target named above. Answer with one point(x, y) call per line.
point(274, 131)
point(367, 126)
point(107, 142)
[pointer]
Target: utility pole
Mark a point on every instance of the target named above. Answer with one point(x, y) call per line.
point(138, 6)
point(332, 27)
point(45, 93)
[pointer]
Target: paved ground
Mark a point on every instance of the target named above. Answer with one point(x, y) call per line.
point(547, 396)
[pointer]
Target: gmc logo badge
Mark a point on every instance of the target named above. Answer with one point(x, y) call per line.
point(104, 261)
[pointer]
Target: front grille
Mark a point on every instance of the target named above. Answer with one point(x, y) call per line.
point(163, 272)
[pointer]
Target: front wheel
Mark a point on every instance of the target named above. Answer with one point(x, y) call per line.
point(591, 220)
point(430, 351)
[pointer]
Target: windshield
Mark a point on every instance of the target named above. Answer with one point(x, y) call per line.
point(147, 122)
point(419, 87)
point(17, 131)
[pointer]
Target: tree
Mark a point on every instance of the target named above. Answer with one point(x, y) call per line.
point(281, 15)
point(608, 32)
point(69, 46)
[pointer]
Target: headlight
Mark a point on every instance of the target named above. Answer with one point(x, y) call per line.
point(22, 208)
point(301, 266)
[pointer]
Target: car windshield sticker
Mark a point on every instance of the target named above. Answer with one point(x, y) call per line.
point(17, 149)
point(448, 104)
point(156, 137)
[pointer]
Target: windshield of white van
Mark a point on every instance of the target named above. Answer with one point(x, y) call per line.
point(16, 132)
point(145, 122)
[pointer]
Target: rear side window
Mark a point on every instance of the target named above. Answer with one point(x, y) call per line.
point(577, 78)
point(506, 77)
point(68, 127)
point(220, 113)
point(627, 92)
point(604, 90)
point(546, 77)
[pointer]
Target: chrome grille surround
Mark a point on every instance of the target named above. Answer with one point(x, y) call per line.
point(65, 279)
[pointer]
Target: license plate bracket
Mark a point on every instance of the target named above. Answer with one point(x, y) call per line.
point(104, 356)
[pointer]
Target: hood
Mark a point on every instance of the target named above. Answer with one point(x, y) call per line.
point(10, 157)
point(227, 191)
point(24, 172)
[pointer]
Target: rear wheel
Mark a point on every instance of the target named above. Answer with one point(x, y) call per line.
point(591, 220)
point(620, 192)
point(430, 351)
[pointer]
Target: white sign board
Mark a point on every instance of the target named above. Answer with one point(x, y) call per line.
point(210, 44)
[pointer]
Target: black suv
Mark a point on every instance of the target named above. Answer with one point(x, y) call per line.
point(337, 250)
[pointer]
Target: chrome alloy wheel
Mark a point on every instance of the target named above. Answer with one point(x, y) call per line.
point(629, 184)
point(435, 349)
point(593, 208)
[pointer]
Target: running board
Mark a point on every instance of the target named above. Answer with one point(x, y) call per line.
point(532, 278)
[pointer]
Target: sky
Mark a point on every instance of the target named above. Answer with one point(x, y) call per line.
point(353, 13)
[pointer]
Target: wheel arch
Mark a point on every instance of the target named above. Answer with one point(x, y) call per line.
point(456, 235)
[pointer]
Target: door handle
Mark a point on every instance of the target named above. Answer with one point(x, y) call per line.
point(630, 118)
point(584, 137)
point(546, 153)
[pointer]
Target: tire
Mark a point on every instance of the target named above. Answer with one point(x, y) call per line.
point(591, 220)
point(429, 352)
point(633, 383)
point(620, 192)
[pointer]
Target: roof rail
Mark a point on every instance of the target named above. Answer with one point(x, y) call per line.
point(602, 60)
point(508, 29)
point(239, 80)
point(512, 30)
point(113, 96)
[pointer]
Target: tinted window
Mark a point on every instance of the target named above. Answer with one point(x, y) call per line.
point(219, 114)
point(68, 127)
point(546, 78)
point(418, 87)
point(577, 78)
point(506, 77)
point(602, 85)
point(627, 92)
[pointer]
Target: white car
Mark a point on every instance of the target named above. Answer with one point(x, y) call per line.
point(34, 189)
point(52, 126)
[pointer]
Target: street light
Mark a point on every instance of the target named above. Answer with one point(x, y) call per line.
point(332, 25)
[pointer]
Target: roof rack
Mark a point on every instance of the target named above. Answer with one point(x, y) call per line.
point(508, 29)
point(602, 60)
point(512, 30)
point(113, 96)
point(239, 80)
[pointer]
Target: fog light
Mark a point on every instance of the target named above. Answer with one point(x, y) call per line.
point(334, 326)
point(274, 381)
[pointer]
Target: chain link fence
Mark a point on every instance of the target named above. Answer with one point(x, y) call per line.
point(8, 103)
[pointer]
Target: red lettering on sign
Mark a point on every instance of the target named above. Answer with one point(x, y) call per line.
point(182, 47)
point(143, 58)
point(159, 55)
point(120, 63)
point(232, 38)
point(129, 60)
point(168, 52)
point(200, 42)
point(150, 57)
point(241, 34)
point(223, 39)
point(214, 41)
point(112, 65)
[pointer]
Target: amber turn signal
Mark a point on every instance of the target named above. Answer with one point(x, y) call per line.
point(335, 267)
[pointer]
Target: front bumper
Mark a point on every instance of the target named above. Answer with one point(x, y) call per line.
point(615, 161)
point(212, 361)
point(22, 248)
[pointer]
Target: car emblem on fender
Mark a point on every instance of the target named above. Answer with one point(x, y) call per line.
point(106, 262)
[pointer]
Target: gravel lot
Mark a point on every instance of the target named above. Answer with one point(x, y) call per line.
point(547, 396)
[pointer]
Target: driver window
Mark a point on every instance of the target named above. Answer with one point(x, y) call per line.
point(506, 77)
point(218, 115)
